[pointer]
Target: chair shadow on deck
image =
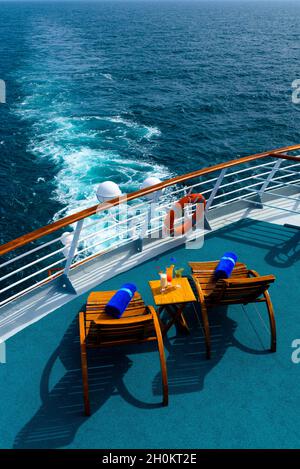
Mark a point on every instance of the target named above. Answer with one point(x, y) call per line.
point(61, 413)
point(187, 364)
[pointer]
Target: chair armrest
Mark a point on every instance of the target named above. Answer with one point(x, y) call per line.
point(123, 321)
point(152, 310)
point(156, 321)
point(199, 289)
point(256, 280)
point(253, 273)
point(81, 328)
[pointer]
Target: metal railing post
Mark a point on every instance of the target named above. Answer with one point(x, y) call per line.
point(148, 217)
point(64, 279)
point(212, 197)
point(2, 352)
point(265, 185)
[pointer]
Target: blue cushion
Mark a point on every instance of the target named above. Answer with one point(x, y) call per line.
point(226, 265)
point(120, 300)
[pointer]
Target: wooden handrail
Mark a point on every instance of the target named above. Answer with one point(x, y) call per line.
point(284, 156)
point(69, 220)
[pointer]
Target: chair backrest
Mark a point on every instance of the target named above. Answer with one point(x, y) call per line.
point(240, 290)
point(102, 330)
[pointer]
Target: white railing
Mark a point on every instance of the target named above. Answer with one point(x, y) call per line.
point(46, 257)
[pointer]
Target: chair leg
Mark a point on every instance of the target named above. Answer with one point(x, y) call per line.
point(206, 329)
point(87, 409)
point(162, 359)
point(204, 317)
point(84, 368)
point(272, 321)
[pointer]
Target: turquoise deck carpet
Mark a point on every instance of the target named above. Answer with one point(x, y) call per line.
point(243, 398)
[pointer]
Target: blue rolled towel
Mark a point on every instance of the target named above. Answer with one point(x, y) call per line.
point(121, 299)
point(226, 265)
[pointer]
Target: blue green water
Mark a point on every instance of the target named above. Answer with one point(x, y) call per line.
point(120, 90)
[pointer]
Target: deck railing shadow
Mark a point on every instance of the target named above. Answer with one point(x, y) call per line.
point(287, 253)
point(281, 244)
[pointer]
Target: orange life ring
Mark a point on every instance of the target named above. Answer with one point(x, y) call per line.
point(179, 206)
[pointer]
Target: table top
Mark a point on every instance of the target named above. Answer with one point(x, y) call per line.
point(179, 292)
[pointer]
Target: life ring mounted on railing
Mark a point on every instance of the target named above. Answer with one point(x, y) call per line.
point(177, 211)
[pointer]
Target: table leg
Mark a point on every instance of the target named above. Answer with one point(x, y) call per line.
point(177, 318)
point(181, 322)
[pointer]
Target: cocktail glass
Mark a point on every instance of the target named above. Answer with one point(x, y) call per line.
point(178, 272)
point(163, 281)
point(169, 271)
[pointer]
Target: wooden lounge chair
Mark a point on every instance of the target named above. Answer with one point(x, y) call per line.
point(244, 286)
point(138, 324)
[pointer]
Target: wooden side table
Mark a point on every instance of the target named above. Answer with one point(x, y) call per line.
point(173, 300)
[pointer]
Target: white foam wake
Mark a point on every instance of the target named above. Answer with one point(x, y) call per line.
point(88, 150)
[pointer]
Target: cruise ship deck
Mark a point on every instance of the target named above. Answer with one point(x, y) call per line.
point(244, 397)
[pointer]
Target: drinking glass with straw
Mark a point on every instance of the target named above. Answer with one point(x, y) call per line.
point(169, 272)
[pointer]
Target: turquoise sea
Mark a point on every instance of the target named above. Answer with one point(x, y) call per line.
point(125, 89)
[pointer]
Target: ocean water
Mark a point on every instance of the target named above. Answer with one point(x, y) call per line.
point(125, 89)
